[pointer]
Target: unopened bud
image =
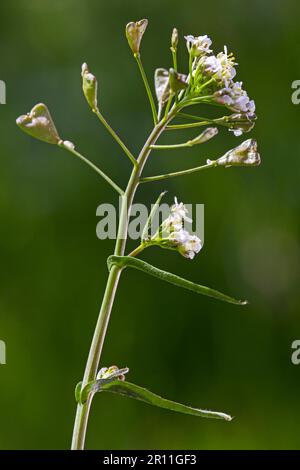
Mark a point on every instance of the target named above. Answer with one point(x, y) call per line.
point(39, 124)
point(134, 33)
point(244, 155)
point(89, 86)
point(206, 135)
point(174, 40)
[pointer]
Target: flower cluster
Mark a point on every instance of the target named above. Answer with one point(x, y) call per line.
point(198, 45)
point(214, 75)
point(174, 234)
point(112, 372)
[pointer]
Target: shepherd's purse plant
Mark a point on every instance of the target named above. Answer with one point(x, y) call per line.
point(209, 80)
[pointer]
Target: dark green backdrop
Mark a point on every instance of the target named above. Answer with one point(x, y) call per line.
point(53, 269)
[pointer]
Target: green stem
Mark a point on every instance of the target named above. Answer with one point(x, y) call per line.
point(137, 250)
point(174, 57)
point(206, 83)
point(170, 147)
point(115, 136)
point(168, 105)
point(81, 419)
point(195, 118)
point(149, 179)
point(82, 412)
point(94, 167)
point(147, 86)
point(190, 125)
point(175, 67)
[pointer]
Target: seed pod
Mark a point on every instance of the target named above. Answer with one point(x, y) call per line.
point(39, 124)
point(162, 85)
point(206, 135)
point(177, 81)
point(244, 155)
point(134, 33)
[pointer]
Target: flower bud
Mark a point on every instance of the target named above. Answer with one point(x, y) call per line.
point(244, 155)
point(89, 86)
point(177, 81)
point(206, 135)
point(174, 40)
point(134, 33)
point(39, 124)
point(112, 372)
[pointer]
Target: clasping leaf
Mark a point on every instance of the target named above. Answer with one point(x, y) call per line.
point(131, 390)
point(129, 261)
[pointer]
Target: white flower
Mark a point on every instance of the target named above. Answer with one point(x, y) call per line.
point(188, 245)
point(222, 66)
point(192, 247)
point(211, 65)
point(198, 45)
point(179, 237)
point(178, 215)
point(180, 210)
point(236, 98)
point(227, 63)
point(237, 132)
point(174, 236)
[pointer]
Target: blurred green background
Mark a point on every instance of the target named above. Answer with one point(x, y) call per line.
point(53, 268)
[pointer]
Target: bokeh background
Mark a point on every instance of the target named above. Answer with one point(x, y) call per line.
point(53, 268)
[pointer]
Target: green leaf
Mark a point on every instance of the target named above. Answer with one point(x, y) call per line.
point(131, 390)
point(81, 394)
point(78, 392)
point(128, 261)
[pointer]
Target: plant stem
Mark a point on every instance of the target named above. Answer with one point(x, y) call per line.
point(147, 86)
point(149, 179)
point(187, 126)
point(171, 146)
point(137, 250)
point(94, 167)
point(81, 419)
point(115, 136)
